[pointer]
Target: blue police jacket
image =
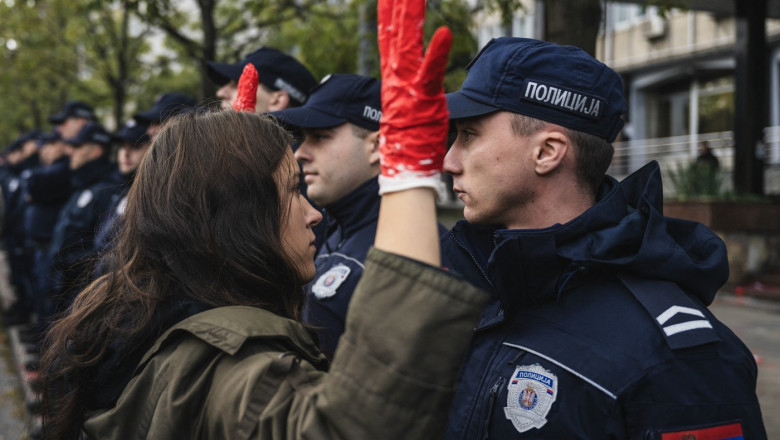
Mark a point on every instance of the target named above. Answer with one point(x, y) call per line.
point(108, 229)
point(14, 201)
point(599, 328)
point(351, 228)
point(48, 188)
point(71, 247)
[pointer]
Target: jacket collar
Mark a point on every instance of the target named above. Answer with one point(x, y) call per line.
point(89, 173)
point(625, 232)
point(227, 328)
point(357, 209)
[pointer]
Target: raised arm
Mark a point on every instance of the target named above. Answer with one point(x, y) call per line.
point(413, 130)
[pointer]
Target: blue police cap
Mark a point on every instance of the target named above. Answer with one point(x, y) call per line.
point(275, 69)
point(339, 98)
point(47, 138)
point(166, 105)
point(134, 133)
point(73, 109)
point(92, 133)
point(19, 142)
point(559, 84)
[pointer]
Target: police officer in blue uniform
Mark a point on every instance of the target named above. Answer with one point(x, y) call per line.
point(339, 157)
point(165, 106)
point(93, 182)
point(48, 188)
point(598, 327)
point(73, 116)
point(133, 143)
point(21, 159)
point(283, 81)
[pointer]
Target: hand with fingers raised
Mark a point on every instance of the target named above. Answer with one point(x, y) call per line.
point(413, 130)
point(246, 98)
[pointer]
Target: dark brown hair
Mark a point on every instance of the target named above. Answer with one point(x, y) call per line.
point(202, 223)
point(592, 154)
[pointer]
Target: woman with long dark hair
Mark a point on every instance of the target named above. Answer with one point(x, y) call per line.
point(194, 333)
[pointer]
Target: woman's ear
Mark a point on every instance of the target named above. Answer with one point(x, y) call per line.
point(553, 144)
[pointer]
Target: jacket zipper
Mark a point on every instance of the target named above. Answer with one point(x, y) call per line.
point(473, 259)
point(491, 404)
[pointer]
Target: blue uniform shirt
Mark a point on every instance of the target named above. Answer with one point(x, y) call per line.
point(48, 188)
point(351, 228)
point(71, 248)
point(599, 328)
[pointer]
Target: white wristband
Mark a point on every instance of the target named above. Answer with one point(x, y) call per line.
point(409, 180)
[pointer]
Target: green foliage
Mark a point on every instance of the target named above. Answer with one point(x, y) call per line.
point(112, 54)
point(697, 181)
point(456, 14)
point(506, 9)
point(328, 42)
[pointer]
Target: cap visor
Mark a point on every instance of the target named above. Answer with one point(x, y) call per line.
point(461, 106)
point(307, 118)
point(148, 116)
point(56, 119)
point(220, 73)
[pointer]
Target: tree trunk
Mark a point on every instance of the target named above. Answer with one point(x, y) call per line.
point(209, 47)
point(573, 22)
point(366, 63)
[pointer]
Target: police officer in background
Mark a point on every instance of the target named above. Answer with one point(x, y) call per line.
point(21, 159)
point(283, 81)
point(165, 106)
point(339, 157)
point(133, 140)
point(73, 116)
point(598, 326)
point(48, 188)
point(93, 183)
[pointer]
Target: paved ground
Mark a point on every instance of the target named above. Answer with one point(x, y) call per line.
point(12, 412)
point(757, 323)
point(13, 416)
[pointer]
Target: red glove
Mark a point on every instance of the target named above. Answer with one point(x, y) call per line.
point(246, 99)
point(413, 129)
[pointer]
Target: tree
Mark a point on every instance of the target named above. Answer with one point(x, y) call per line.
point(40, 58)
point(115, 51)
point(220, 29)
point(559, 19)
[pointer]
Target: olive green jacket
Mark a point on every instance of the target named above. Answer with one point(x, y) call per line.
point(245, 373)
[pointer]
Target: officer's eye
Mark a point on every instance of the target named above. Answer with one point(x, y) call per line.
point(466, 134)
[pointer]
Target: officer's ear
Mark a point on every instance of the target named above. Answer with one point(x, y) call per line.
point(278, 100)
point(372, 145)
point(551, 145)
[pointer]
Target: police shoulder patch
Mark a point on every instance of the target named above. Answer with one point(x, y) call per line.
point(84, 198)
point(121, 206)
point(531, 393)
point(327, 283)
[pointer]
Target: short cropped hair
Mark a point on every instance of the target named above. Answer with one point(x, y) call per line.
point(592, 153)
point(360, 132)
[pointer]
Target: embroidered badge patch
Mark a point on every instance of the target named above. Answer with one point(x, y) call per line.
point(121, 206)
point(531, 393)
point(326, 285)
point(84, 198)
